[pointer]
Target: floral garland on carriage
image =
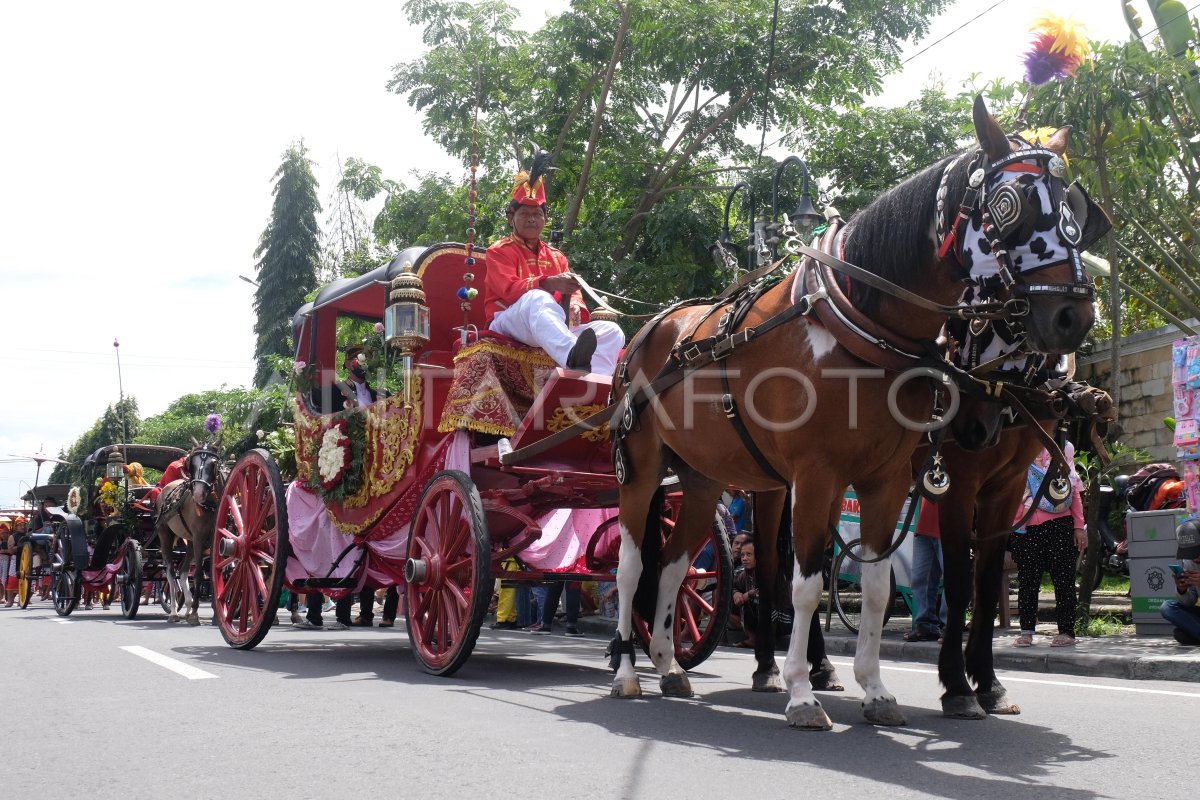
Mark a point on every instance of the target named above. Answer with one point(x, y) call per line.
point(336, 465)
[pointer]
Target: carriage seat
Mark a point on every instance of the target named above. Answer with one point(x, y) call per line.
point(495, 382)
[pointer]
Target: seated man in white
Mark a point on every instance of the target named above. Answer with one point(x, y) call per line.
point(530, 294)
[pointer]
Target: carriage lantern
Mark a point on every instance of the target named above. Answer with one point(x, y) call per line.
point(114, 469)
point(406, 321)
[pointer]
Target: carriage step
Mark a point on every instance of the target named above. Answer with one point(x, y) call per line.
point(325, 583)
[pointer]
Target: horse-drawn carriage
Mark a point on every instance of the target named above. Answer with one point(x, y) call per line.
point(109, 541)
point(38, 551)
point(410, 489)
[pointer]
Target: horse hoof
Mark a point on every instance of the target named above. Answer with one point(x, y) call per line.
point(626, 687)
point(767, 682)
point(809, 718)
point(825, 680)
point(173, 618)
point(962, 707)
point(998, 703)
point(883, 712)
point(675, 684)
point(193, 620)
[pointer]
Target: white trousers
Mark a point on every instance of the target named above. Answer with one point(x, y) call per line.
point(537, 320)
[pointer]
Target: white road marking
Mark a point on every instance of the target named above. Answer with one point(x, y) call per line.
point(1010, 678)
point(176, 666)
point(60, 620)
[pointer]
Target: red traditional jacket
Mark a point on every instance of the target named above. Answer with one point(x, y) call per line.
point(513, 269)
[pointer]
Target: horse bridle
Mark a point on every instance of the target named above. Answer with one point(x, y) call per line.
point(1005, 207)
point(206, 454)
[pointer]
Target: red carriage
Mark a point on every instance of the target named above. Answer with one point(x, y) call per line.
point(409, 490)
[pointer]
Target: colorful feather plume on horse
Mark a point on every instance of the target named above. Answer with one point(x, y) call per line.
point(1058, 48)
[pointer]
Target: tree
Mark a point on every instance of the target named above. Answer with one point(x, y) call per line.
point(110, 428)
point(639, 108)
point(289, 256)
point(242, 411)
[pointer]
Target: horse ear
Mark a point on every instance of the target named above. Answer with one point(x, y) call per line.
point(992, 137)
point(1057, 142)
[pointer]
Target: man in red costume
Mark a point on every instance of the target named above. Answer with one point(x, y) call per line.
point(530, 294)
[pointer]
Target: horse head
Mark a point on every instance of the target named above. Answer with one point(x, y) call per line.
point(203, 469)
point(1020, 232)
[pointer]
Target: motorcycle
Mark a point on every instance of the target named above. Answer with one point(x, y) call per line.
point(1114, 559)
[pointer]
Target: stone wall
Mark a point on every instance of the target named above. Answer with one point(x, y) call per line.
point(1146, 394)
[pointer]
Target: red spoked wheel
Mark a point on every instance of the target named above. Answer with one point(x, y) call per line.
point(447, 573)
point(250, 550)
point(704, 601)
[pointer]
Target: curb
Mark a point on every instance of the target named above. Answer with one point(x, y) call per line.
point(1103, 665)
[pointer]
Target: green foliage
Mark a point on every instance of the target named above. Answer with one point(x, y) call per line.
point(110, 428)
point(864, 151)
point(650, 203)
point(281, 443)
point(289, 254)
point(243, 412)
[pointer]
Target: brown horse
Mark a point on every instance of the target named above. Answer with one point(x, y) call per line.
point(976, 511)
point(820, 403)
point(186, 509)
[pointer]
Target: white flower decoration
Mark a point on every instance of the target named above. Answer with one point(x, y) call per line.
point(298, 366)
point(331, 457)
point(73, 500)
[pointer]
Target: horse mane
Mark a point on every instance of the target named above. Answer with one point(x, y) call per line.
point(894, 236)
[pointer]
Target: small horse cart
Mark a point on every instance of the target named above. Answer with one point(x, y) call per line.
point(39, 551)
point(110, 541)
point(409, 490)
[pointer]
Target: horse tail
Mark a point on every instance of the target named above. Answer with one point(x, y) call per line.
point(645, 599)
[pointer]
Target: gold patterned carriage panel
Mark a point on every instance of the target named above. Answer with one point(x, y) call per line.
point(494, 386)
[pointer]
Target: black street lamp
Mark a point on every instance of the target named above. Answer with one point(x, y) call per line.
point(721, 247)
point(805, 217)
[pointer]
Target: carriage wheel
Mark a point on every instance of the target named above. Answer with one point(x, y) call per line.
point(130, 580)
point(448, 575)
point(65, 588)
point(703, 604)
point(845, 589)
point(250, 550)
point(25, 575)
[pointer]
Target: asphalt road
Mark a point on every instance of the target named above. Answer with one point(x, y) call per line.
point(102, 707)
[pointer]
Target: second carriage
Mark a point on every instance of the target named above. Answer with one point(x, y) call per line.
point(409, 490)
point(107, 540)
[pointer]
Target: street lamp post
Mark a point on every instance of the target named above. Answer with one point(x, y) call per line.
point(121, 391)
point(719, 247)
point(805, 217)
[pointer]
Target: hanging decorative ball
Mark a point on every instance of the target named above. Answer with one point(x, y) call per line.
point(469, 276)
point(462, 293)
point(1057, 167)
point(472, 293)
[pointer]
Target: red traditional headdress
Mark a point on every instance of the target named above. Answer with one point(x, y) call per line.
point(529, 186)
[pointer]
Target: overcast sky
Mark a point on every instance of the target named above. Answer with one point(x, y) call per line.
point(138, 144)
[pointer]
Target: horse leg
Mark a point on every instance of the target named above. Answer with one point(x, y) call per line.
point(955, 522)
point(822, 675)
point(639, 499)
point(989, 561)
point(803, 709)
point(768, 519)
point(880, 505)
point(700, 497)
point(191, 567)
point(166, 545)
